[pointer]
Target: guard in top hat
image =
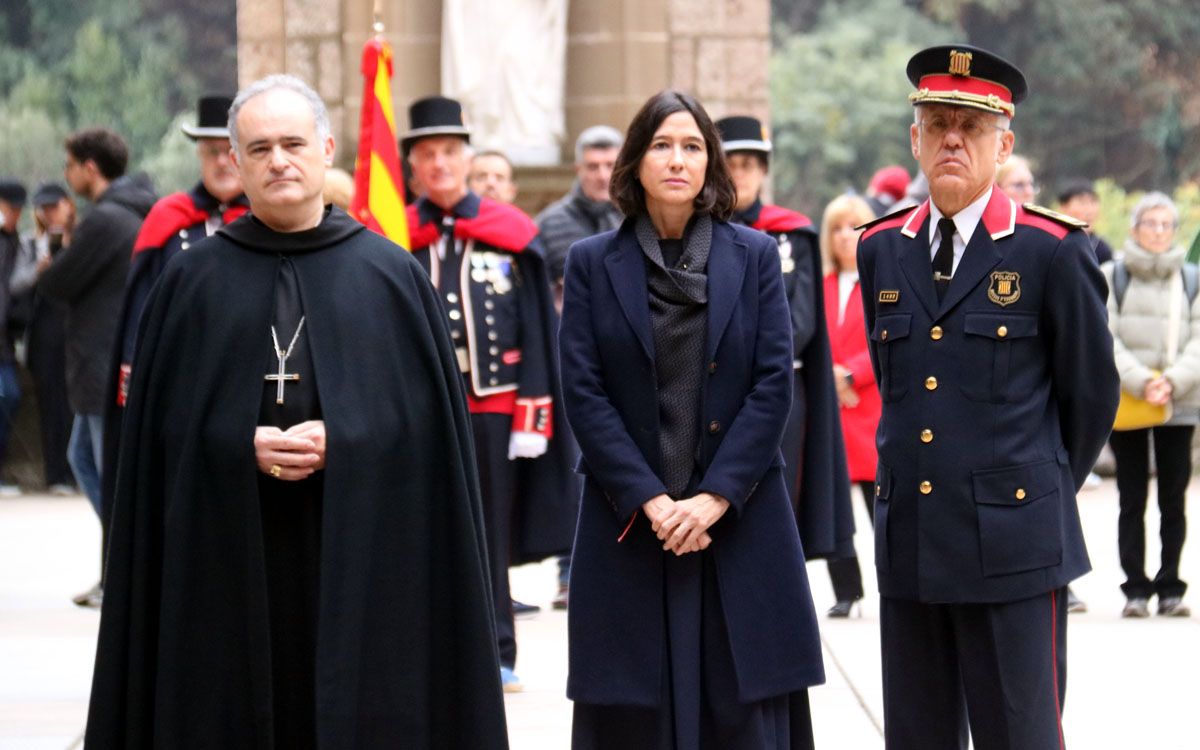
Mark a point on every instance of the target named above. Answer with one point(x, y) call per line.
point(486, 263)
point(989, 341)
point(175, 223)
point(812, 442)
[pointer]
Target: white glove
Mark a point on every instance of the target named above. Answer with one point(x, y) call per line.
point(526, 445)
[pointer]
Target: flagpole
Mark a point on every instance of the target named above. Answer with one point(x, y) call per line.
point(378, 25)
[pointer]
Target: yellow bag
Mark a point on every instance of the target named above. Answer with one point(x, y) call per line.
point(1135, 413)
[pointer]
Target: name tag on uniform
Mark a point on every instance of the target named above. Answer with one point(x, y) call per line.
point(889, 296)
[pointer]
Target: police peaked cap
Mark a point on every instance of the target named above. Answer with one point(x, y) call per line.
point(434, 115)
point(966, 76)
point(743, 133)
point(212, 118)
point(12, 192)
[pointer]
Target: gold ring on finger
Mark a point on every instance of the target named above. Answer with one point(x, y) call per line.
point(276, 470)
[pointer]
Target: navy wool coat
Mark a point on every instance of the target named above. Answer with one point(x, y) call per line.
point(616, 620)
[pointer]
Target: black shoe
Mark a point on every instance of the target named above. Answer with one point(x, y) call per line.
point(1136, 607)
point(91, 599)
point(1173, 606)
point(1075, 605)
point(843, 608)
point(560, 599)
point(521, 609)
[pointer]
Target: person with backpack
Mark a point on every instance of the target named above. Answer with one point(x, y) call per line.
point(1155, 322)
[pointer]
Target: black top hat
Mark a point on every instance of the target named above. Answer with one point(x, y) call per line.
point(48, 193)
point(434, 115)
point(966, 76)
point(743, 133)
point(12, 192)
point(213, 118)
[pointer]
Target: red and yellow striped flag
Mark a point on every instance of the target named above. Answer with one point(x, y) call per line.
point(378, 182)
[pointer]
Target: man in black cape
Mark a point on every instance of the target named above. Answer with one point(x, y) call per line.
point(297, 554)
point(818, 479)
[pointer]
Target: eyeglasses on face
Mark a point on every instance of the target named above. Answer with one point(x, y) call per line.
point(1156, 226)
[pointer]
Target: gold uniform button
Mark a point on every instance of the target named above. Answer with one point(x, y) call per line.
point(878, 489)
point(1020, 493)
point(926, 488)
point(931, 383)
point(936, 333)
point(926, 436)
point(714, 427)
point(883, 335)
point(1002, 331)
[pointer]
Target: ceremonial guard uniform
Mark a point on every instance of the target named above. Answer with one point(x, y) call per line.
point(175, 223)
point(483, 259)
point(818, 480)
point(998, 391)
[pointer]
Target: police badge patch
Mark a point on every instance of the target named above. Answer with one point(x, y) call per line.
point(1005, 288)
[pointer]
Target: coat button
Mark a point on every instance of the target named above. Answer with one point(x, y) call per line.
point(926, 488)
point(883, 335)
point(931, 383)
point(714, 427)
point(936, 333)
point(926, 436)
point(712, 368)
point(452, 298)
point(1020, 493)
point(1002, 331)
point(184, 245)
point(455, 315)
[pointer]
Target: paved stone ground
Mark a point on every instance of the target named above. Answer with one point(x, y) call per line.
point(1133, 684)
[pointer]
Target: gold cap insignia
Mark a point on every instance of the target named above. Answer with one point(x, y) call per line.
point(960, 63)
point(1005, 287)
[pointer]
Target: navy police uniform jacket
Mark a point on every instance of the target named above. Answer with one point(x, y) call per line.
point(484, 260)
point(616, 622)
point(996, 402)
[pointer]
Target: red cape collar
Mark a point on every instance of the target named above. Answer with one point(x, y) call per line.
point(172, 213)
point(779, 219)
point(497, 224)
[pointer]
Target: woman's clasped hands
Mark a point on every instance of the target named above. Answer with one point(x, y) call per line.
point(683, 525)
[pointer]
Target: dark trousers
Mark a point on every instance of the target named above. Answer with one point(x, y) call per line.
point(10, 399)
point(48, 365)
point(1173, 462)
point(998, 669)
point(844, 571)
point(498, 486)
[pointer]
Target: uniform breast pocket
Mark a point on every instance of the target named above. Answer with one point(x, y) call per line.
point(1020, 517)
point(988, 352)
point(890, 336)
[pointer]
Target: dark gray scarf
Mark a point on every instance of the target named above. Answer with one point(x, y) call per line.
point(679, 316)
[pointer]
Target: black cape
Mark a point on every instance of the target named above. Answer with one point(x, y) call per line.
point(406, 652)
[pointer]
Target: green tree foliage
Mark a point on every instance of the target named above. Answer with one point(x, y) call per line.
point(839, 105)
point(135, 66)
point(1113, 88)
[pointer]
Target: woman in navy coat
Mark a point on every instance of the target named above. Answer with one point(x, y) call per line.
point(691, 623)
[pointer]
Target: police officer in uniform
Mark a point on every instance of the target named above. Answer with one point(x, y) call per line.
point(989, 340)
point(817, 478)
point(485, 261)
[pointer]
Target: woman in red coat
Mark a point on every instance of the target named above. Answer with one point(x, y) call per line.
point(857, 393)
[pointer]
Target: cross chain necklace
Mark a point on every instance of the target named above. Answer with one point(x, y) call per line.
point(282, 376)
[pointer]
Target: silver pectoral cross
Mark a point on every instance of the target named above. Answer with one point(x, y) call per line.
point(281, 377)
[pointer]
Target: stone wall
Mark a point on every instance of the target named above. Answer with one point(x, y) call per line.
point(619, 52)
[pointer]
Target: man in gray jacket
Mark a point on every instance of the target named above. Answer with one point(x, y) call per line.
point(587, 209)
point(88, 275)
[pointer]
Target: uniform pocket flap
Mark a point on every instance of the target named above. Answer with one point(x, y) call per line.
point(1001, 326)
point(1015, 485)
point(891, 327)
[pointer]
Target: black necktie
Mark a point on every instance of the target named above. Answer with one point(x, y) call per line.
point(943, 262)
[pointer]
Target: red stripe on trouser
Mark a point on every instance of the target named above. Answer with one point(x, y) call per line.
point(1054, 664)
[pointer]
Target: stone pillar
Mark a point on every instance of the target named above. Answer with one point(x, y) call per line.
point(720, 51)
